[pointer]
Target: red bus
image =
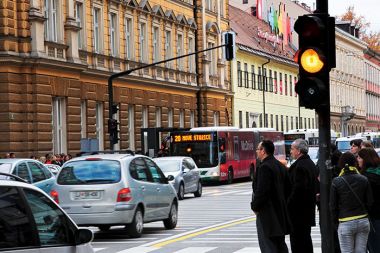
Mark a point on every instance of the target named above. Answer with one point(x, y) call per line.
point(224, 153)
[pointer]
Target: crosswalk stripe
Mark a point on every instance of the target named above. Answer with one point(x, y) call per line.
point(97, 249)
point(138, 250)
point(248, 250)
point(195, 249)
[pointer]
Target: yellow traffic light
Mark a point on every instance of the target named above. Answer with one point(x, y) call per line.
point(311, 62)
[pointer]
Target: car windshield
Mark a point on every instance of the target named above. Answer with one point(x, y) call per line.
point(168, 165)
point(5, 167)
point(343, 145)
point(90, 172)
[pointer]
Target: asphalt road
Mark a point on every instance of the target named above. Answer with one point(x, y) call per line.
point(219, 222)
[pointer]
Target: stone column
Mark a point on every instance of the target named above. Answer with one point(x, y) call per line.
point(37, 20)
point(71, 30)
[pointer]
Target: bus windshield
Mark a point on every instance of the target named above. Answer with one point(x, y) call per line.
point(205, 154)
point(343, 146)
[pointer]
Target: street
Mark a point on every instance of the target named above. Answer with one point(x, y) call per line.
point(220, 221)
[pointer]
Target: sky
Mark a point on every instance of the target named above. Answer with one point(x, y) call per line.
point(367, 8)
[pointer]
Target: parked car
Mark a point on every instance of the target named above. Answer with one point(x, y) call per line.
point(31, 170)
point(106, 190)
point(31, 222)
point(54, 168)
point(185, 172)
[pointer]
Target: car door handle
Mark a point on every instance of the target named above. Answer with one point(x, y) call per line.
point(142, 188)
point(158, 189)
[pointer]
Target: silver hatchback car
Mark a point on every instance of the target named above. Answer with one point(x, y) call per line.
point(185, 173)
point(106, 190)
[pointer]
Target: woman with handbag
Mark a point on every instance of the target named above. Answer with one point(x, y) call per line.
point(369, 164)
point(350, 199)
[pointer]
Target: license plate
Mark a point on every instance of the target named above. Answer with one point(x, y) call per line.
point(86, 195)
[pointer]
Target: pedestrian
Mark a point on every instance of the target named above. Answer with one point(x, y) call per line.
point(350, 199)
point(12, 155)
point(335, 155)
point(366, 144)
point(271, 188)
point(369, 163)
point(42, 159)
point(303, 175)
point(355, 146)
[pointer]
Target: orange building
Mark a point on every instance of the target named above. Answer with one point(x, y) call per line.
point(57, 55)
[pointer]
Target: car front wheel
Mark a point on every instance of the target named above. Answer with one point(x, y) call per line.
point(135, 229)
point(181, 192)
point(171, 222)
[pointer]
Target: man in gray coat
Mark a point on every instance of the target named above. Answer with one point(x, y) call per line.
point(270, 190)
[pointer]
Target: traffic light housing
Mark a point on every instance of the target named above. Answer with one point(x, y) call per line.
point(229, 42)
point(113, 125)
point(316, 57)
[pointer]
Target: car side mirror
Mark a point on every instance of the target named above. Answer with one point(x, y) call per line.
point(83, 236)
point(223, 158)
point(170, 178)
point(186, 170)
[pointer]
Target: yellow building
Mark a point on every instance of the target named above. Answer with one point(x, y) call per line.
point(263, 77)
point(58, 54)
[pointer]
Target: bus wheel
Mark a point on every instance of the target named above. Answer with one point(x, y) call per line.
point(230, 178)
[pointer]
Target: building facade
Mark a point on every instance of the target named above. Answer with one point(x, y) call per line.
point(264, 76)
point(57, 55)
point(347, 85)
point(372, 80)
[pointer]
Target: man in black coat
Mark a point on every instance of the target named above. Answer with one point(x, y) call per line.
point(303, 176)
point(270, 190)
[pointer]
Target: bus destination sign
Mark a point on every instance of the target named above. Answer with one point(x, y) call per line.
point(191, 137)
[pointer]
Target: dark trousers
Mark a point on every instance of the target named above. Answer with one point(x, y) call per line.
point(274, 244)
point(300, 239)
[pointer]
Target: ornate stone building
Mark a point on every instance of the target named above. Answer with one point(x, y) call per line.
point(57, 55)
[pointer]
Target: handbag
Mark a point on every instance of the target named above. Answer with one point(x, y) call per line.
point(361, 203)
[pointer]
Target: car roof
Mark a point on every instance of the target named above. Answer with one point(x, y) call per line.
point(171, 158)
point(106, 156)
point(7, 182)
point(16, 160)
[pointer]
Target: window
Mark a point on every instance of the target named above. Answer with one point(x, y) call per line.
point(156, 173)
point(296, 122)
point(291, 122)
point(287, 123)
point(216, 118)
point(270, 81)
point(271, 120)
point(261, 120)
point(155, 44)
point(37, 173)
point(51, 22)
point(128, 38)
point(221, 4)
point(143, 41)
point(138, 169)
point(181, 118)
point(83, 119)
point(52, 226)
point(253, 77)
point(16, 229)
point(145, 119)
point(100, 125)
point(168, 45)
point(59, 125)
point(240, 119)
point(246, 83)
point(300, 122)
point(265, 83)
point(275, 82)
point(247, 119)
point(291, 85)
point(23, 172)
point(79, 18)
point(277, 123)
point(309, 122)
point(192, 119)
point(170, 117)
point(191, 59)
point(240, 75)
point(158, 117)
point(280, 83)
point(313, 125)
point(259, 79)
point(113, 34)
point(286, 84)
point(131, 126)
point(211, 57)
point(97, 20)
point(209, 5)
point(180, 51)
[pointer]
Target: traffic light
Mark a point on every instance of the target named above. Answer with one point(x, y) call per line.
point(316, 57)
point(229, 42)
point(113, 125)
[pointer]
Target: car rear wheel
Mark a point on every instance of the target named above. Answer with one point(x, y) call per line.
point(104, 227)
point(181, 191)
point(171, 222)
point(135, 229)
point(198, 193)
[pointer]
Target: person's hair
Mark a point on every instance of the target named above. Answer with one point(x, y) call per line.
point(356, 142)
point(333, 147)
point(367, 144)
point(301, 145)
point(347, 160)
point(268, 146)
point(370, 158)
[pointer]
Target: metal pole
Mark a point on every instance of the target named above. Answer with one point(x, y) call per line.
point(264, 77)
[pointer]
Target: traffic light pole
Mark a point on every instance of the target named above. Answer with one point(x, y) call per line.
point(127, 72)
point(324, 162)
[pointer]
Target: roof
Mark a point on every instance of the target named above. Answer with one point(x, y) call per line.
point(15, 160)
point(248, 28)
point(103, 156)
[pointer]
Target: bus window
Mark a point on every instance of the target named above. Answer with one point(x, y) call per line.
point(236, 148)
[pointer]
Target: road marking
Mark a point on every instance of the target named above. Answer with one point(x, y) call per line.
point(119, 242)
point(139, 249)
point(196, 249)
point(248, 250)
point(196, 232)
point(97, 249)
